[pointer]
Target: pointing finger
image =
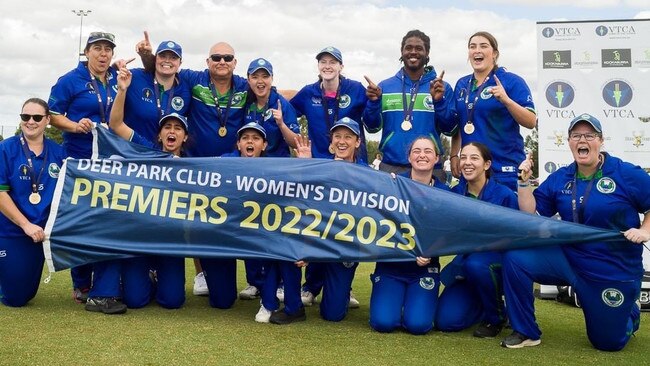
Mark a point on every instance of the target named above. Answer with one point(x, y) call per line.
point(146, 36)
point(279, 105)
point(370, 83)
point(496, 79)
point(129, 61)
point(442, 74)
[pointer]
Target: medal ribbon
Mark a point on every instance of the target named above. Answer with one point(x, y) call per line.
point(32, 176)
point(471, 107)
point(103, 110)
point(223, 117)
point(408, 112)
point(156, 89)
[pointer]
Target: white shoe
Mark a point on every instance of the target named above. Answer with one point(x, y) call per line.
point(263, 315)
point(353, 303)
point(280, 294)
point(249, 293)
point(307, 298)
point(200, 286)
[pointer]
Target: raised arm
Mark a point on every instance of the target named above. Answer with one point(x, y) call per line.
point(116, 122)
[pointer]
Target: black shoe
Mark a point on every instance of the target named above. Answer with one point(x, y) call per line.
point(281, 317)
point(487, 330)
point(518, 340)
point(106, 305)
point(80, 295)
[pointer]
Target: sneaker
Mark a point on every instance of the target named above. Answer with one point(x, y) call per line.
point(249, 293)
point(353, 303)
point(307, 298)
point(487, 330)
point(518, 340)
point(281, 318)
point(80, 295)
point(106, 305)
point(263, 315)
point(200, 286)
point(280, 293)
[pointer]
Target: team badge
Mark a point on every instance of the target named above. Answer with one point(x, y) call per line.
point(89, 85)
point(238, 98)
point(606, 185)
point(178, 103)
point(24, 170)
point(316, 101)
point(428, 102)
point(612, 297)
point(344, 101)
point(53, 170)
point(268, 114)
point(486, 93)
point(147, 93)
point(427, 283)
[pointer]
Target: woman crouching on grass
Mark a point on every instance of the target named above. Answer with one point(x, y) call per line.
point(406, 293)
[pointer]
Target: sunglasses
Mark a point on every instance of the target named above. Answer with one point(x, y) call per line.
point(102, 35)
point(218, 58)
point(37, 117)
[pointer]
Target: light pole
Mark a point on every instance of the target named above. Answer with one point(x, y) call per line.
point(81, 14)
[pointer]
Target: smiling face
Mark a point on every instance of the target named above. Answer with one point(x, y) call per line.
point(172, 135)
point(251, 144)
point(414, 54)
point(31, 129)
point(422, 155)
point(473, 165)
point(585, 153)
point(345, 143)
point(99, 56)
point(221, 69)
point(329, 68)
point(167, 63)
point(260, 83)
point(481, 55)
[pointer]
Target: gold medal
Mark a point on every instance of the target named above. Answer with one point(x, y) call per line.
point(407, 125)
point(34, 198)
point(223, 131)
point(469, 128)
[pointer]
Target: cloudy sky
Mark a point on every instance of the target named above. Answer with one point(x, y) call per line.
point(40, 39)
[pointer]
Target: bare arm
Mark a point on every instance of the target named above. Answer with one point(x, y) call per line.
point(524, 191)
point(116, 122)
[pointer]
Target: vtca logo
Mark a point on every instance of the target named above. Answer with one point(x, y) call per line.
point(615, 30)
point(560, 94)
point(549, 32)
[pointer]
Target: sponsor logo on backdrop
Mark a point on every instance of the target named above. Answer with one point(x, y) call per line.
point(617, 93)
point(560, 94)
point(561, 33)
point(550, 167)
point(615, 31)
point(638, 139)
point(621, 57)
point(556, 59)
point(644, 61)
point(585, 60)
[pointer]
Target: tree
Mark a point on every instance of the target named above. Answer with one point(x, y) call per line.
point(531, 145)
point(373, 148)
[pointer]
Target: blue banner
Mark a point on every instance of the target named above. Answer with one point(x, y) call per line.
point(274, 208)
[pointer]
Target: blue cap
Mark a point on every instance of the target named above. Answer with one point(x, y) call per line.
point(170, 46)
point(173, 115)
point(349, 123)
point(593, 121)
point(252, 126)
point(331, 51)
point(260, 64)
point(101, 36)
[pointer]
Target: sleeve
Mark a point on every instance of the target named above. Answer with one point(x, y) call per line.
point(297, 101)
point(510, 200)
point(637, 188)
point(4, 169)
point(545, 198)
point(519, 91)
point(60, 97)
point(372, 116)
point(445, 113)
point(136, 138)
point(190, 77)
point(289, 115)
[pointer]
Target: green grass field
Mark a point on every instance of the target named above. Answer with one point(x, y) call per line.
point(53, 330)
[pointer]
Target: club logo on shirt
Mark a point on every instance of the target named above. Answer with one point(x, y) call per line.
point(268, 114)
point(147, 94)
point(486, 93)
point(344, 101)
point(568, 188)
point(316, 101)
point(377, 279)
point(428, 102)
point(3, 253)
point(178, 103)
point(53, 170)
point(606, 185)
point(612, 297)
point(238, 98)
point(427, 283)
point(24, 172)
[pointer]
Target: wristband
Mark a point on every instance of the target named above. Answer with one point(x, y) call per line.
point(523, 184)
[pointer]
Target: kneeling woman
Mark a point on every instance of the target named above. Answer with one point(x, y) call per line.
point(473, 284)
point(28, 173)
point(406, 293)
point(138, 288)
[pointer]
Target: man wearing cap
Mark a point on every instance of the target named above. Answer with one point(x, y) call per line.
point(153, 95)
point(406, 105)
point(328, 100)
point(599, 190)
point(79, 99)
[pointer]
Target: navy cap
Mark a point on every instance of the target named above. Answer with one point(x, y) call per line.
point(170, 46)
point(252, 126)
point(349, 123)
point(101, 36)
point(260, 64)
point(593, 121)
point(173, 115)
point(331, 51)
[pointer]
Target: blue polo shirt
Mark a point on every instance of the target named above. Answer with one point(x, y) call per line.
point(277, 147)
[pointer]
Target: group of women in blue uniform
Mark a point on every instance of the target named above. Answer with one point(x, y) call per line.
point(216, 113)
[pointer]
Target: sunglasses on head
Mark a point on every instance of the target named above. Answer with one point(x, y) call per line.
point(217, 58)
point(37, 117)
point(109, 36)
